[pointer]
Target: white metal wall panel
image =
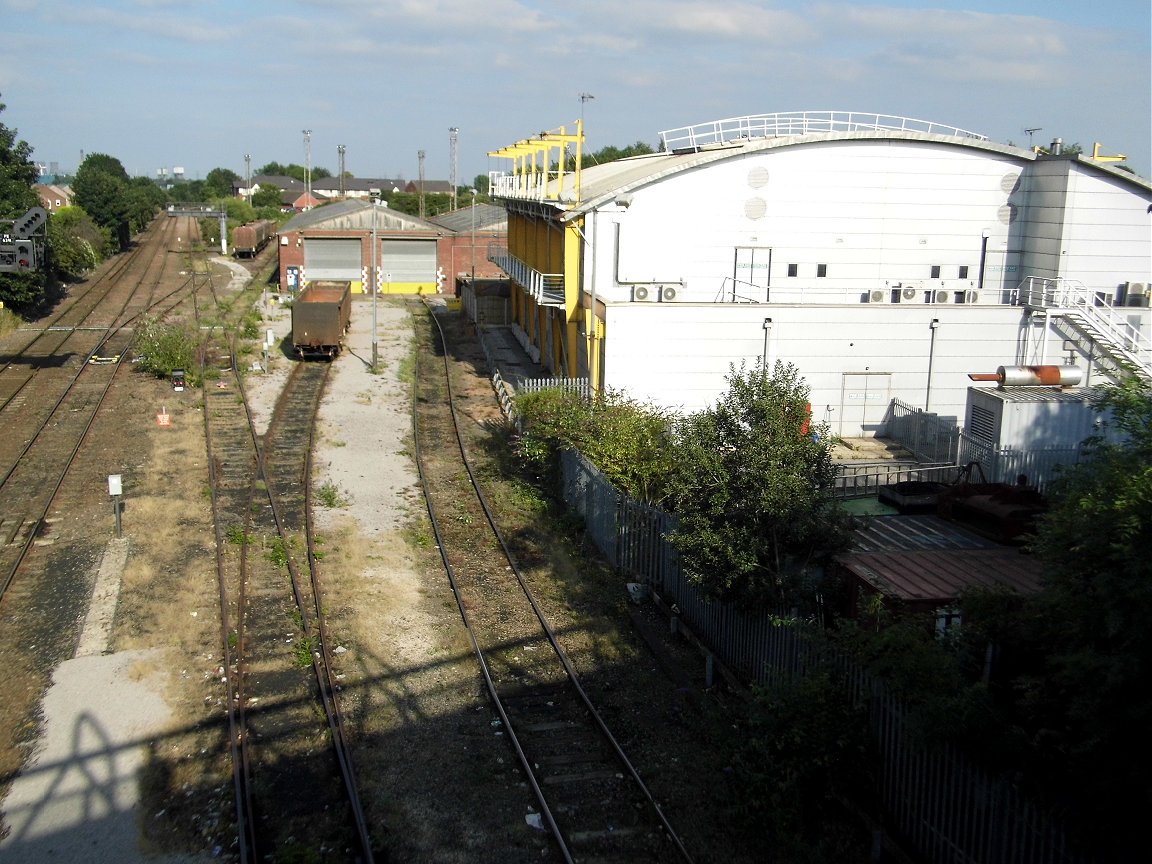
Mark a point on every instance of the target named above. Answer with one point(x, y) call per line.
point(677, 355)
point(877, 214)
point(869, 210)
point(332, 258)
point(409, 260)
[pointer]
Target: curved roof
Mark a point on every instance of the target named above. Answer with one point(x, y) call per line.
point(601, 184)
point(694, 146)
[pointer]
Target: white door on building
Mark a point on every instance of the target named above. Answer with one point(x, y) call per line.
point(864, 398)
point(751, 273)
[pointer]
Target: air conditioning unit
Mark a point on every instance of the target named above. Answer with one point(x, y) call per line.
point(667, 293)
point(642, 293)
point(940, 297)
point(1137, 294)
point(876, 297)
point(908, 294)
point(971, 296)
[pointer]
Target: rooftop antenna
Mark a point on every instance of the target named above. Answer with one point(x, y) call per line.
point(1031, 132)
point(584, 97)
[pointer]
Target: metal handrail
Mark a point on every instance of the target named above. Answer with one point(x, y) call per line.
point(1072, 297)
point(546, 289)
point(799, 123)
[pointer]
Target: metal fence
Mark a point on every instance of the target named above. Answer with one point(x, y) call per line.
point(948, 809)
point(1038, 468)
point(924, 435)
point(864, 479)
point(582, 386)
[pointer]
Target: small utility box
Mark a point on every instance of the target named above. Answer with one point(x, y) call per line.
point(178, 380)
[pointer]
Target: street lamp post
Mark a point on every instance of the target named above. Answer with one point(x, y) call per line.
point(248, 177)
point(375, 285)
point(307, 168)
point(473, 239)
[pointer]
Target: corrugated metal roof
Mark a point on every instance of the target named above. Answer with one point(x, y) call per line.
point(911, 533)
point(928, 559)
point(1018, 393)
point(356, 215)
point(488, 217)
point(942, 576)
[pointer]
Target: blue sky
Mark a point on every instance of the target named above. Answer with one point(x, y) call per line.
point(164, 83)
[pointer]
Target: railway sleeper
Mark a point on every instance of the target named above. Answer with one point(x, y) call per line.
point(583, 777)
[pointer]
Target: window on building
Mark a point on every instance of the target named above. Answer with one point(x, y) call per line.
point(821, 270)
point(792, 269)
point(935, 271)
point(947, 621)
point(963, 271)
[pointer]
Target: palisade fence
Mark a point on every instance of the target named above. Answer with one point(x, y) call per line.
point(924, 435)
point(947, 809)
point(931, 439)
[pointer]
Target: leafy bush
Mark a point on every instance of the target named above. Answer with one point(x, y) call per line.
point(625, 439)
point(805, 753)
point(163, 347)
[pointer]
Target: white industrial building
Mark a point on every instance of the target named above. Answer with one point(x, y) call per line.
point(884, 257)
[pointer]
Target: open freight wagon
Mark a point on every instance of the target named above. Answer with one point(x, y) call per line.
point(320, 316)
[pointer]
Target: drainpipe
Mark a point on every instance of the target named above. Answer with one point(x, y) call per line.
point(983, 259)
point(933, 324)
point(764, 356)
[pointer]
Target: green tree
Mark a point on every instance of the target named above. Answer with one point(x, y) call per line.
point(267, 196)
point(145, 200)
point(18, 173)
point(220, 182)
point(101, 188)
point(751, 487)
point(76, 241)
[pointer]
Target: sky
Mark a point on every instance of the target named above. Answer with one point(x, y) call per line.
point(166, 83)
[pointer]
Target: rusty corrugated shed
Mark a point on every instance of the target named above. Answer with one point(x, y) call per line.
point(924, 559)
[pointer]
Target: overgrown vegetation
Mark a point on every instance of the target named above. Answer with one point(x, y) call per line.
point(805, 757)
point(330, 495)
point(627, 440)
point(162, 347)
point(749, 479)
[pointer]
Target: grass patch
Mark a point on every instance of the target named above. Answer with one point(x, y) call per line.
point(331, 495)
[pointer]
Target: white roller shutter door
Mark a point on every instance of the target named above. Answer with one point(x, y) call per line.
point(409, 260)
point(332, 258)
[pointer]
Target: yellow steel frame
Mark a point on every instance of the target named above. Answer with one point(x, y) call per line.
point(546, 246)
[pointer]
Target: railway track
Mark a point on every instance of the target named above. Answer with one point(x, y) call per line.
point(45, 433)
point(294, 785)
point(591, 798)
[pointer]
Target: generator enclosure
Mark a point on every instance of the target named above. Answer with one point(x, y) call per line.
point(1031, 418)
point(320, 316)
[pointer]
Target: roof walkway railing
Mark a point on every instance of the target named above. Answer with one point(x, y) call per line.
point(793, 123)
